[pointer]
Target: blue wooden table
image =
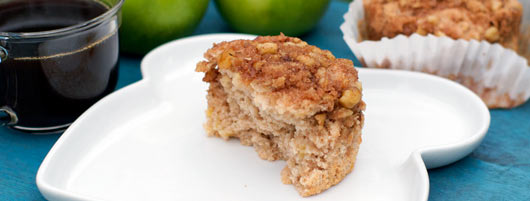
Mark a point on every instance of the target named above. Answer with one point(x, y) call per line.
point(498, 170)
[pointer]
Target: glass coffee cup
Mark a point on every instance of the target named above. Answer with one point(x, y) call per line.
point(57, 58)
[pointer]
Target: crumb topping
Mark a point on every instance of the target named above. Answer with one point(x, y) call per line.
point(286, 70)
point(491, 20)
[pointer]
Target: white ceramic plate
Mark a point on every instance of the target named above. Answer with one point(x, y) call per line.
point(146, 141)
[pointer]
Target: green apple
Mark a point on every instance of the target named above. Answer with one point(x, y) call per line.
point(148, 23)
point(270, 17)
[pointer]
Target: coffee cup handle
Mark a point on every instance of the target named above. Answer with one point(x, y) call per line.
point(7, 115)
point(3, 54)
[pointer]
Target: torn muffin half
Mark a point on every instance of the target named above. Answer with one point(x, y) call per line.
point(290, 101)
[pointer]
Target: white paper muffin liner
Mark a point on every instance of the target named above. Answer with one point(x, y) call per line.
point(498, 75)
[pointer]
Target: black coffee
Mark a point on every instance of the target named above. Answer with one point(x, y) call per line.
point(51, 83)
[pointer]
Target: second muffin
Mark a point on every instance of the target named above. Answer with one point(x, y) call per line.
point(497, 21)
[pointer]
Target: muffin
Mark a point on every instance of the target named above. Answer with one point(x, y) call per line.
point(496, 21)
point(290, 101)
point(477, 43)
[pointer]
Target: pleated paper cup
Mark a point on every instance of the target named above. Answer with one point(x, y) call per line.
point(498, 75)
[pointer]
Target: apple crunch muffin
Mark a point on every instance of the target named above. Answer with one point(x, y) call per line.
point(497, 21)
point(290, 101)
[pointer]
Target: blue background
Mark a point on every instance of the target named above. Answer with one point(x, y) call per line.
point(498, 170)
